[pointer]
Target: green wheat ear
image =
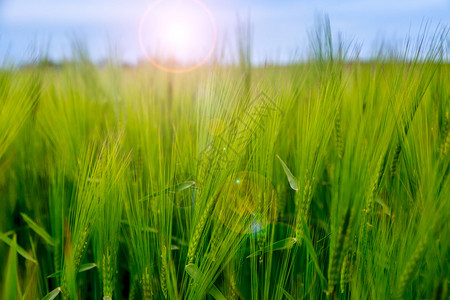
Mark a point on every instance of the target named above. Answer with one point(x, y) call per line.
point(445, 144)
point(146, 283)
point(163, 276)
point(411, 266)
point(303, 209)
point(395, 160)
point(108, 271)
point(338, 137)
point(376, 181)
point(346, 271)
point(195, 239)
point(339, 251)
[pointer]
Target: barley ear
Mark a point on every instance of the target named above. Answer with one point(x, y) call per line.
point(107, 268)
point(445, 144)
point(395, 160)
point(337, 253)
point(339, 138)
point(346, 270)
point(146, 284)
point(163, 277)
point(197, 233)
point(411, 267)
point(303, 209)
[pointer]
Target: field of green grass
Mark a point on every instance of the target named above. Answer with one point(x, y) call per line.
point(321, 180)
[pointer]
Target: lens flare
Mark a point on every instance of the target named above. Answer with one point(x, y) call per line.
point(246, 203)
point(177, 36)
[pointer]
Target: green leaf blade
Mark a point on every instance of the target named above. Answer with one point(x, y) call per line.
point(38, 230)
point(19, 249)
point(195, 273)
point(291, 178)
point(53, 294)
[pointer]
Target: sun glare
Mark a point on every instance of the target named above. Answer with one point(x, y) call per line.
point(177, 36)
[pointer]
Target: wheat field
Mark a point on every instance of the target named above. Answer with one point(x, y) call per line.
point(325, 179)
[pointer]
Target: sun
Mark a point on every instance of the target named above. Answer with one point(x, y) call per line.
point(177, 36)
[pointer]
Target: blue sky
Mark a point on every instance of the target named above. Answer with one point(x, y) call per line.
point(279, 27)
